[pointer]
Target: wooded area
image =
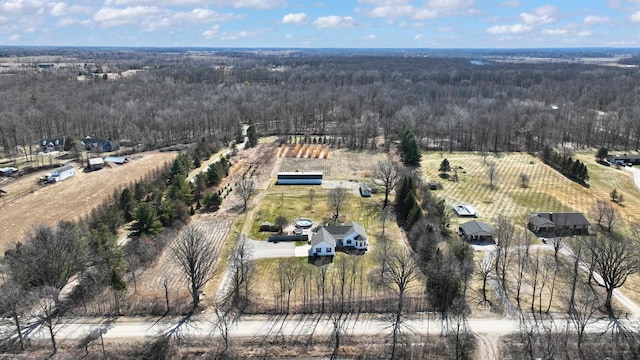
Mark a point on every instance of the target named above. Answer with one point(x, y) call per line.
point(448, 102)
point(405, 108)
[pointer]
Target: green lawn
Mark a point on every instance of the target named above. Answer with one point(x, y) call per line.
point(547, 190)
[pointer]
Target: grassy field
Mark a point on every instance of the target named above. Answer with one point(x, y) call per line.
point(547, 189)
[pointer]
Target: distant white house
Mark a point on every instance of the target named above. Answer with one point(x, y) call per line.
point(61, 173)
point(350, 236)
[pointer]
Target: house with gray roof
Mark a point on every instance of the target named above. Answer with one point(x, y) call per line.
point(560, 224)
point(477, 231)
point(350, 236)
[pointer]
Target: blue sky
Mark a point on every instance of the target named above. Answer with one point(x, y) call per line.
point(322, 23)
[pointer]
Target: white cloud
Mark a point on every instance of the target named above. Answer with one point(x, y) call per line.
point(444, 29)
point(424, 14)
point(59, 9)
point(556, 31)
point(391, 11)
point(238, 35)
point(542, 15)
point(254, 4)
point(635, 17)
point(151, 18)
point(584, 33)
point(431, 9)
point(370, 37)
point(211, 33)
point(298, 19)
point(596, 20)
point(288, 36)
point(110, 17)
point(450, 5)
point(22, 7)
point(14, 38)
point(509, 29)
point(511, 3)
point(418, 37)
point(334, 22)
point(202, 16)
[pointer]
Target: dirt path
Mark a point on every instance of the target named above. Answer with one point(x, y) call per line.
point(487, 346)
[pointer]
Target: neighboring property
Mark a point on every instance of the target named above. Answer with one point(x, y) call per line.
point(559, 223)
point(624, 159)
point(96, 163)
point(477, 232)
point(300, 178)
point(47, 145)
point(100, 145)
point(349, 236)
point(365, 189)
point(61, 173)
point(464, 210)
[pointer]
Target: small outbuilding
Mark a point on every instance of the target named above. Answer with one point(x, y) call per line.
point(61, 173)
point(476, 231)
point(464, 210)
point(115, 159)
point(365, 189)
point(96, 163)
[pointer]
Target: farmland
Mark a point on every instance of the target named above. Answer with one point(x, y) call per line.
point(28, 204)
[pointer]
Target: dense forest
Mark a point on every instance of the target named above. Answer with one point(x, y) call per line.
point(451, 103)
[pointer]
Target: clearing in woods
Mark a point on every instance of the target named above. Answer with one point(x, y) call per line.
point(28, 204)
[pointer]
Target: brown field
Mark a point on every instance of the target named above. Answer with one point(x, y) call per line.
point(28, 204)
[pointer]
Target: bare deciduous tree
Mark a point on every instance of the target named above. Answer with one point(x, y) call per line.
point(14, 301)
point(504, 235)
point(604, 215)
point(492, 173)
point(387, 175)
point(399, 275)
point(524, 180)
point(336, 199)
point(245, 189)
point(48, 312)
point(195, 255)
point(312, 195)
point(614, 259)
point(242, 270)
point(485, 269)
point(288, 272)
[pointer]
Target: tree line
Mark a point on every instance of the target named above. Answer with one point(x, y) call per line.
point(449, 103)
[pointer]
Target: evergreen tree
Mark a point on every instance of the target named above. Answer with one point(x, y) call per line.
point(602, 153)
point(146, 221)
point(445, 166)
point(252, 136)
point(409, 147)
point(126, 204)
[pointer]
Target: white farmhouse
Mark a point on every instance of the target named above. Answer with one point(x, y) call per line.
point(349, 236)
